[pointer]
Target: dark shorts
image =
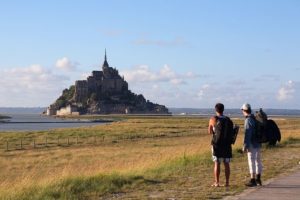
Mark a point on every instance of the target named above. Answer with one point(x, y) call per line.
point(223, 152)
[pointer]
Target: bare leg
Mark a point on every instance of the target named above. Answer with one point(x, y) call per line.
point(217, 173)
point(227, 172)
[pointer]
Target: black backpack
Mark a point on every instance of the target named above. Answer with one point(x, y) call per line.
point(273, 132)
point(224, 133)
point(261, 120)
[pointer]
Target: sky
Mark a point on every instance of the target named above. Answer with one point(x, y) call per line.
point(187, 54)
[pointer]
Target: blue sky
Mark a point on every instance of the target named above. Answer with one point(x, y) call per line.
point(188, 53)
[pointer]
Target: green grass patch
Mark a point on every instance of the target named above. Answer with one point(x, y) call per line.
point(179, 166)
point(80, 187)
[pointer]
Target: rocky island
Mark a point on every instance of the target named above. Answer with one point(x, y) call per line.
point(104, 92)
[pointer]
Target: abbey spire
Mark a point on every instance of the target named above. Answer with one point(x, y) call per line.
point(105, 64)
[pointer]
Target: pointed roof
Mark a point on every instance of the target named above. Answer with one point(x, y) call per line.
point(105, 64)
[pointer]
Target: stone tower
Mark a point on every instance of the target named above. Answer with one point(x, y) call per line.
point(105, 67)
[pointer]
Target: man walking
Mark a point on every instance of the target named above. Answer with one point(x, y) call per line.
point(252, 147)
point(221, 128)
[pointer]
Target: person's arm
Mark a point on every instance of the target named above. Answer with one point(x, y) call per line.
point(247, 138)
point(211, 124)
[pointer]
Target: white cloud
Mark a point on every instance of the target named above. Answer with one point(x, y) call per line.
point(65, 64)
point(143, 73)
point(84, 76)
point(203, 91)
point(231, 94)
point(30, 86)
point(177, 81)
point(287, 91)
point(158, 87)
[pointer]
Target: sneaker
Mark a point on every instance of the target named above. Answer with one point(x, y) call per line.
point(251, 183)
point(258, 180)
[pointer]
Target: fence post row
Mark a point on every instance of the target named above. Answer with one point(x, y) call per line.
point(88, 139)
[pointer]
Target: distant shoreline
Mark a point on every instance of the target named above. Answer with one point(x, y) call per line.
point(4, 111)
point(4, 117)
point(37, 122)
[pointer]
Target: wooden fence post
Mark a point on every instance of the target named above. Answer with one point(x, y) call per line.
point(57, 141)
point(76, 140)
point(6, 145)
point(34, 143)
point(21, 144)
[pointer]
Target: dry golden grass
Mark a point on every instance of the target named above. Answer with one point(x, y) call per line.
point(42, 166)
point(46, 166)
point(33, 166)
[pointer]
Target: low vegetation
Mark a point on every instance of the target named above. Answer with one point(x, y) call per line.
point(176, 163)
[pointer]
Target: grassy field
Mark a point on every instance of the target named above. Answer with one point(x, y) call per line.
point(141, 158)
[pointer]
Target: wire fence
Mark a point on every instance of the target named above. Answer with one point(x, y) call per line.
point(48, 142)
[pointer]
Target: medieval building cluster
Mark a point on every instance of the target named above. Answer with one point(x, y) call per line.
point(101, 82)
point(104, 92)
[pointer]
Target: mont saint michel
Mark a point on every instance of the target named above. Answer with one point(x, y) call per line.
point(104, 92)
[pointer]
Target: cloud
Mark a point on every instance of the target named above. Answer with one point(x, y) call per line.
point(30, 86)
point(84, 76)
point(203, 91)
point(167, 87)
point(178, 41)
point(287, 91)
point(65, 64)
point(143, 73)
point(232, 93)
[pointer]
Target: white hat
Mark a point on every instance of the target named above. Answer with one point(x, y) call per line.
point(246, 106)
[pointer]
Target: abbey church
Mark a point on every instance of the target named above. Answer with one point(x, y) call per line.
point(104, 92)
